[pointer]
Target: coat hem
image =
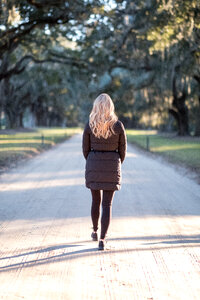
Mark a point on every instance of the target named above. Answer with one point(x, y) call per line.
point(103, 186)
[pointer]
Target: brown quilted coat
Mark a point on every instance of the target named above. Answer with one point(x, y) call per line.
point(104, 158)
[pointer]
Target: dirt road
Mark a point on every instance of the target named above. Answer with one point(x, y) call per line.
point(45, 246)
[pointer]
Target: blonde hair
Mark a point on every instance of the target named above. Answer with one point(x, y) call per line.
point(103, 117)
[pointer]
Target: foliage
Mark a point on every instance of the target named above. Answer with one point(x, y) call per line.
point(145, 54)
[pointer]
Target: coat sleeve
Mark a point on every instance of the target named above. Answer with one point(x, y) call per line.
point(86, 141)
point(122, 143)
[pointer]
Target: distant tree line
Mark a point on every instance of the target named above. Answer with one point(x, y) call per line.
point(57, 56)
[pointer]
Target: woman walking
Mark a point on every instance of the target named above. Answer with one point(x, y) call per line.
point(104, 148)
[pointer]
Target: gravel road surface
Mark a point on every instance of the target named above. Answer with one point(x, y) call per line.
point(45, 247)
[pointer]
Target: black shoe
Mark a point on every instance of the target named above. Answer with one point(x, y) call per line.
point(101, 245)
point(94, 236)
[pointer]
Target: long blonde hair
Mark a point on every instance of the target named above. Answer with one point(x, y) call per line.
point(103, 117)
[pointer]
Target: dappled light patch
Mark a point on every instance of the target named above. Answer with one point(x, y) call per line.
point(36, 184)
point(27, 141)
point(19, 149)
point(176, 147)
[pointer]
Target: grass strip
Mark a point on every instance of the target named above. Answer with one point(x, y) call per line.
point(181, 150)
point(21, 145)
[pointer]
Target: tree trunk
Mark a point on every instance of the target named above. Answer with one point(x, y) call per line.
point(12, 118)
point(21, 120)
point(179, 110)
point(197, 129)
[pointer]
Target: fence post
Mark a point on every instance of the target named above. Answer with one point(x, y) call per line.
point(42, 137)
point(147, 143)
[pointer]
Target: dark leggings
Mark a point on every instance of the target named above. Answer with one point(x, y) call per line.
point(106, 210)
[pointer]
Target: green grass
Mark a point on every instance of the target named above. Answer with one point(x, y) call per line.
point(26, 144)
point(184, 150)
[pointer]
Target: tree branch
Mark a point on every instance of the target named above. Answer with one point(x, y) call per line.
point(174, 114)
point(68, 60)
point(38, 4)
point(14, 35)
point(197, 78)
point(19, 68)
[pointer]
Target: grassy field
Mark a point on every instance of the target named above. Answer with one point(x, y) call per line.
point(182, 150)
point(15, 146)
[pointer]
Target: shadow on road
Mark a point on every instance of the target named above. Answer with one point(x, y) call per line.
point(173, 241)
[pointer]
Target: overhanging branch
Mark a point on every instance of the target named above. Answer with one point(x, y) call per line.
point(19, 67)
